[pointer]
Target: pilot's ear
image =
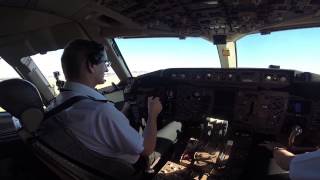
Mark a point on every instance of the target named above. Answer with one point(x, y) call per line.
point(90, 66)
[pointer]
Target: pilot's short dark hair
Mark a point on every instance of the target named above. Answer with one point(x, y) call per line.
point(77, 51)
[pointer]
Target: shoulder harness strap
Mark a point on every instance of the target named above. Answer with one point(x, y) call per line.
point(68, 103)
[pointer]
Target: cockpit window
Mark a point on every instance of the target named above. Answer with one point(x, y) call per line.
point(6, 72)
point(291, 49)
point(144, 55)
point(51, 62)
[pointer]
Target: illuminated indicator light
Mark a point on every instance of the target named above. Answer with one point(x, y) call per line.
point(268, 78)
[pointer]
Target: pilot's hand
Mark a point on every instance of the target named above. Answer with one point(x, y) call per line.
point(154, 107)
point(271, 145)
point(280, 154)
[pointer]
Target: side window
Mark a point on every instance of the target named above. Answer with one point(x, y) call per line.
point(6, 72)
point(48, 64)
point(51, 62)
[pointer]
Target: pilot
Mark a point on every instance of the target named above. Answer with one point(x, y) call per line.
point(301, 166)
point(100, 126)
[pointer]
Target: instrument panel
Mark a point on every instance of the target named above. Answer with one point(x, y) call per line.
point(257, 100)
point(238, 75)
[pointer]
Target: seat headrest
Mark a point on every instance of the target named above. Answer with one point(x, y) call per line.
point(21, 99)
point(32, 119)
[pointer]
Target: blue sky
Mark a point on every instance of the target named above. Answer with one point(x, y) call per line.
point(294, 49)
point(160, 53)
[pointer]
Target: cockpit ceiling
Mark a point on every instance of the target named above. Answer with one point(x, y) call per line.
point(219, 17)
point(42, 26)
point(183, 17)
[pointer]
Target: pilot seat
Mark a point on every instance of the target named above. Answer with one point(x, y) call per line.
point(69, 158)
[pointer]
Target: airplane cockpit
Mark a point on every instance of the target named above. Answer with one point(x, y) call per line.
point(226, 112)
point(230, 111)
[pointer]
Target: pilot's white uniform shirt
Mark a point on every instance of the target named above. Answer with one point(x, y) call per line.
point(98, 125)
point(305, 166)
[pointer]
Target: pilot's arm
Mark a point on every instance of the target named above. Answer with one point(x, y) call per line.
point(282, 156)
point(301, 167)
point(305, 166)
point(121, 136)
point(150, 131)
